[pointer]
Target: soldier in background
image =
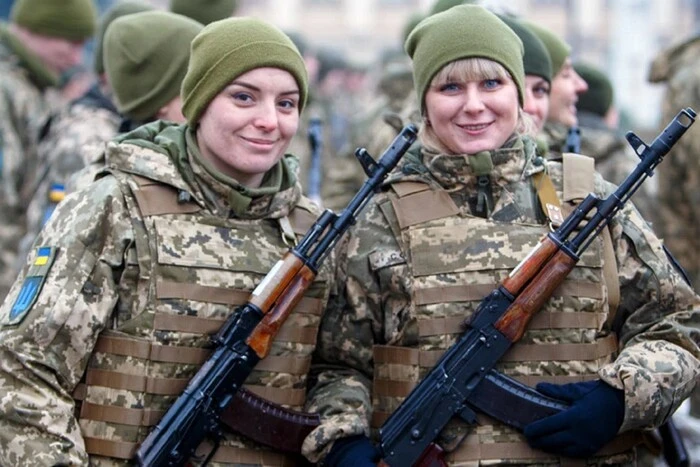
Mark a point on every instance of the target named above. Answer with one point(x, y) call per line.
point(601, 138)
point(566, 86)
point(204, 11)
point(75, 136)
point(678, 208)
point(42, 40)
point(143, 74)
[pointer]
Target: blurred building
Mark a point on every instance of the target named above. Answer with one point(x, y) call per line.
point(621, 36)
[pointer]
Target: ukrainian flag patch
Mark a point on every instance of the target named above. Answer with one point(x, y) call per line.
point(32, 284)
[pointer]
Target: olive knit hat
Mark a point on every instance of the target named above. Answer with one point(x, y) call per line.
point(228, 48)
point(74, 20)
point(119, 9)
point(204, 11)
point(557, 48)
point(465, 31)
point(599, 96)
point(146, 57)
point(536, 59)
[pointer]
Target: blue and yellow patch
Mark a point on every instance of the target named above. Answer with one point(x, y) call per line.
point(32, 284)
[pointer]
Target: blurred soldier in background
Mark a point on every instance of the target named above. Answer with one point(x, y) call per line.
point(601, 139)
point(42, 40)
point(75, 136)
point(679, 197)
point(566, 86)
point(204, 11)
point(144, 69)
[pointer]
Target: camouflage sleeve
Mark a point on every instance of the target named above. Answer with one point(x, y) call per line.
point(657, 323)
point(47, 332)
point(352, 325)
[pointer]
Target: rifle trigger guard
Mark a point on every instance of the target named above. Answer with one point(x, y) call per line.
point(467, 414)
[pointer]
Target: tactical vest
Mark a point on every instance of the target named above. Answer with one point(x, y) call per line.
point(193, 269)
point(455, 260)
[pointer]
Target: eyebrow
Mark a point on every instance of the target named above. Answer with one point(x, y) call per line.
point(255, 88)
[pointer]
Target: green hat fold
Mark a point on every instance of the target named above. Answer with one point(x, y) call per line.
point(119, 9)
point(228, 48)
point(556, 47)
point(599, 97)
point(74, 20)
point(204, 11)
point(465, 31)
point(536, 60)
point(146, 56)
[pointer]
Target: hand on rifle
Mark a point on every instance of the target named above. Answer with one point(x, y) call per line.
point(355, 451)
point(594, 418)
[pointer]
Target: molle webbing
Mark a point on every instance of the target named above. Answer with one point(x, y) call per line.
point(417, 203)
point(156, 198)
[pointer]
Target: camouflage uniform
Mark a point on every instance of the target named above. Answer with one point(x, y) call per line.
point(615, 159)
point(678, 213)
point(679, 177)
point(139, 270)
point(75, 139)
point(26, 99)
point(418, 263)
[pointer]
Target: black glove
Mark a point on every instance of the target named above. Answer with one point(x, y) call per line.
point(594, 418)
point(355, 451)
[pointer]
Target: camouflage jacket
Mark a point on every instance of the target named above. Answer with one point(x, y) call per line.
point(74, 139)
point(387, 295)
point(24, 105)
point(679, 176)
point(155, 254)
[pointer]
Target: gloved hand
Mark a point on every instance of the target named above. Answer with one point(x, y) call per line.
point(355, 451)
point(594, 418)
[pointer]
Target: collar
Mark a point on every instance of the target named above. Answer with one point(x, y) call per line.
point(39, 74)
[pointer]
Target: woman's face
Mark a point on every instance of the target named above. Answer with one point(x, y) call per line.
point(471, 116)
point(247, 127)
point(566, 86)
point(537, 99)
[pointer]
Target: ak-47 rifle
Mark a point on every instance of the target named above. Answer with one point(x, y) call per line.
point(246, 336)
point(464, 379)
point(315, 134)
point(573, 140)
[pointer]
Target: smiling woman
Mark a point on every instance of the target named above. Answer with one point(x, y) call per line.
point(463, 211)
point(151, 258)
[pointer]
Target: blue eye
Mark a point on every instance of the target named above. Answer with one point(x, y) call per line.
point(449, 87)
point(492, 83)
point(242, 97)
point(288, 104)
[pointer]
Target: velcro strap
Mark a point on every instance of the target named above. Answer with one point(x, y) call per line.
point(408, 188)
point(156, 198)
point(472, 292)
point(137, 383)
point(517, 353)
point(110, 448)
point(236, 455)
point(579, 172)
point(197, 325)
point(423, 206)
point(542, 320)
point(224, 295)
point(121, 415)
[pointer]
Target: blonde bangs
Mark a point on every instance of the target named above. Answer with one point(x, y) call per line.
point(470, 69)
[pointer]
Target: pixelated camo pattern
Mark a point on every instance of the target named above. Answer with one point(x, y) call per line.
point(389, 273)
point(106, 279)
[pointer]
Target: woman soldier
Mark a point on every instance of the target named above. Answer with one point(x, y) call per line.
point(457, 217)
point(132, 275)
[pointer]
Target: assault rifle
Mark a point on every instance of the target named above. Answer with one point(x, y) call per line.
point(464, 378)
point(573, 140)
point(246, 336)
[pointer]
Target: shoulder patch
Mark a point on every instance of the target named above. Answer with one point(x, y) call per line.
point(45, 256)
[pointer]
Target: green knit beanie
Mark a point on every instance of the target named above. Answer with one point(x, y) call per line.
point(204, 11)
point(465, 31)
point(145, 56)
point(74, 20)
point(228, 48)
point(442, 5)
point(557, 48)
point(599, 96)
point(126, 7)
point(536, 59)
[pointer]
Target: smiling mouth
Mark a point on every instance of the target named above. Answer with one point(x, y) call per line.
point(474, 127)
point(259, 141)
